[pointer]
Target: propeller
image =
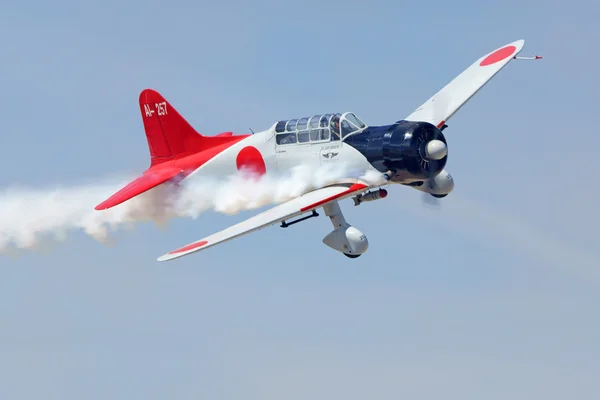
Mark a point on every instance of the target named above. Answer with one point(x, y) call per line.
point(429, 201)
point(434, 150)
point(439, 110)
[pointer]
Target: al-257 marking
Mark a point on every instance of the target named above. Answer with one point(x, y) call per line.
point(161, 109)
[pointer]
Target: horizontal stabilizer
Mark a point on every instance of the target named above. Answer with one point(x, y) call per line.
point(150, 179)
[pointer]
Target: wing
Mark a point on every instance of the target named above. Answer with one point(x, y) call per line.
point(281, 212)
point(439, 108)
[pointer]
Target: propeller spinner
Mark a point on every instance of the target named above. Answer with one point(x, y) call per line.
point(436, 149)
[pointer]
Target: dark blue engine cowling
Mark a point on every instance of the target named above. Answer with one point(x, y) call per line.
point(398, 149)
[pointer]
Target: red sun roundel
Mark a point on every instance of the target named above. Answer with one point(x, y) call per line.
point(190, 247)
point(498, 55)
point(250, 158)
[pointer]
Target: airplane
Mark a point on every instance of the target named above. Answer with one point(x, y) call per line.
point(412, 151)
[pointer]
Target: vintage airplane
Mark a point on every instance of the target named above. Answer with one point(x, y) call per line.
point(412, 152)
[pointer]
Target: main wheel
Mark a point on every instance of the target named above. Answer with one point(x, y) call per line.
point(352, 255)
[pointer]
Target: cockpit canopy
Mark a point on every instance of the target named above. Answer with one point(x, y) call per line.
point(318, 128)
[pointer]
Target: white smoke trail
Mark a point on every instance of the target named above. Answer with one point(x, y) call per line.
point(30, 217)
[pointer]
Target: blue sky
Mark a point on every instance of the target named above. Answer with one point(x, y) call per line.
point(494, 294)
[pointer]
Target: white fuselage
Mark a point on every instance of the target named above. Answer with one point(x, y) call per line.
point(281, 158)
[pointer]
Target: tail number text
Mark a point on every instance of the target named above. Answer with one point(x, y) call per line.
point(161, 109)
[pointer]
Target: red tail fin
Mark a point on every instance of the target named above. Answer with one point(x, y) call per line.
point(170, 139)
point(169, 135)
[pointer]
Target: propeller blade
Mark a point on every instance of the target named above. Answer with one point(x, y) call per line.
point(430, 201)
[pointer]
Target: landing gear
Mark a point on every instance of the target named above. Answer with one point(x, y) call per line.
point(352, 255)
point(344, 238)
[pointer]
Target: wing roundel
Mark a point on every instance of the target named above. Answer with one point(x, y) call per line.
point(445, 103)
